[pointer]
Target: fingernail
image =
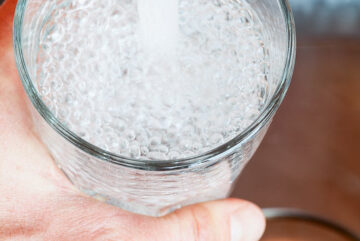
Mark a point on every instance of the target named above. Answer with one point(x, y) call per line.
point(247, 224)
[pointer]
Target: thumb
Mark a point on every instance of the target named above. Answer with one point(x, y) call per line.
point(224, 220)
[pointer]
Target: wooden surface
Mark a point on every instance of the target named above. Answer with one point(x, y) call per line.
point(310, 158)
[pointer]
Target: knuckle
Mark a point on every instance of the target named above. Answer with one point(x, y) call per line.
point(202, 224)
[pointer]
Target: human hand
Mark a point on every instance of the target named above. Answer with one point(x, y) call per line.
point(38, 203)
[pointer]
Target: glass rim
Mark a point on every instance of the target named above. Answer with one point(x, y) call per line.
point(154, 165)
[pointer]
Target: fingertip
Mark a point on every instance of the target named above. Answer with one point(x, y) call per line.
point(247, 223)
point(228, 219)
point(244, 219)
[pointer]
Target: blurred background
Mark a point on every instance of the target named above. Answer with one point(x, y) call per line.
point(310, 158)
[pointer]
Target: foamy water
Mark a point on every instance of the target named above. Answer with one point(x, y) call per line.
point(164, 80)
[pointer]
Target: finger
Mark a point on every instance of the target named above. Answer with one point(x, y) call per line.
point(225, 220)
point(14, 118)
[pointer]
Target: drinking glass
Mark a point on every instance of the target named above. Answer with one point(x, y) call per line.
point(153, 187)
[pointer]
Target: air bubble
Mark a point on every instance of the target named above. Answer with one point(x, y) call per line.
point(130, 135)
point(123, 144)
point(160, 148)
point(134, 151)
point(154, 141)
point(144, 150)
point(173, 155)
point(216, 138)
point(154, 155)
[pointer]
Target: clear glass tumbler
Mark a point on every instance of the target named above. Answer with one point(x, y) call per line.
point(153, 187)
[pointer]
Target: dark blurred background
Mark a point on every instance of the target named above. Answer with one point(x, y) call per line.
point(310, 157)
